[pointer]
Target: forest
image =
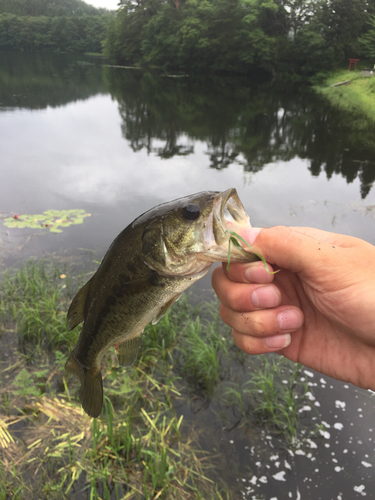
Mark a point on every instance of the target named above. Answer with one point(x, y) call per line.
point(304, 37)
point(52, 25)
point(239, 36)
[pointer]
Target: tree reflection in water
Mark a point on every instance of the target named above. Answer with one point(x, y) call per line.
point(250, 123)
point(240, 120)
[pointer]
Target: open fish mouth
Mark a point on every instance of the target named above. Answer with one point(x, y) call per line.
point(228, 214)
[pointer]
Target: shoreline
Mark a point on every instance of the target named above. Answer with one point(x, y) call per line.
point(357, 95)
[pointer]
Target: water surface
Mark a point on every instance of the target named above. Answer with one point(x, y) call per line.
point(77, 133)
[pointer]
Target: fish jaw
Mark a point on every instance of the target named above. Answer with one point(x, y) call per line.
point(228, 214)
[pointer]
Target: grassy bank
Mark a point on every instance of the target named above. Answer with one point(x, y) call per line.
point(357, 96)
point(145, 445)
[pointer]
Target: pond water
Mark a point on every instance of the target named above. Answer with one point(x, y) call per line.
point(76, 133)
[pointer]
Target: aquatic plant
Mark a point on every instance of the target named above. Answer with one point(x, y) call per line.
point(141, 447)
point(273, 397)
point(234, 240)
point(54, 220)
point(36, 298)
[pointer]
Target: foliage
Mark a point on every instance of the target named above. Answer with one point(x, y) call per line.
point(35, 299)
point(275, 397)
point(195, 36)
point(82, 33)
point(304, 36)
point(142, 446)
point(367, 41)
point(356, 97)
point(48, 8)
point(346, 20)
point(220, 35)
point(51, 219)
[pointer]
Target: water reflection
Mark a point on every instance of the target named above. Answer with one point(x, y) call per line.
point(146, 140)
point(38, 81)
point(237, 117)
point(240, 121)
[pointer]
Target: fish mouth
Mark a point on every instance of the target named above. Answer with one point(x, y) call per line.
point(228, 214)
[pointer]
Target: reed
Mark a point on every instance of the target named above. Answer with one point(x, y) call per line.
point(140, 447)
point(273, 398)
point(35, 298)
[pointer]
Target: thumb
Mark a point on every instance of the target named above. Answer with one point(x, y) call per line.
point(298, 248)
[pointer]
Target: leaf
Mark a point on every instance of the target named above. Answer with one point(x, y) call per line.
point(233, 239)
point(53, 219)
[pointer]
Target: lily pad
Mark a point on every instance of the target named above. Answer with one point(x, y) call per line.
point(54, 220)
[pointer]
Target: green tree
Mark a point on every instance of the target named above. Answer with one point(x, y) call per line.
point(59, 34)
point(197, 35)
point(48, 8)
point(367, 41)
point(124, 40)
point(346, 20)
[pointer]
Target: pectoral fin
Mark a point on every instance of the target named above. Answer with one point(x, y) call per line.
point(165, 308)
point(127, 351)
point(76, 310)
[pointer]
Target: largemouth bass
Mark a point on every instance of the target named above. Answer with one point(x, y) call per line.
point(145, 270)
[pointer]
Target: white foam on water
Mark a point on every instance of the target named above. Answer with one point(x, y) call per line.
point(325, 434)
point(366, 464)
point(304, 408)
point(359, 489)
point(311, 443)
point(280, 476)
point(340, 404)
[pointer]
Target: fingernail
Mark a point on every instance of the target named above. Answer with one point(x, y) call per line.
point(278, 341)
point(289, 319)
point(265, 296)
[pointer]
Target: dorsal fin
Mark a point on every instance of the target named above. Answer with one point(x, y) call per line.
point(76, 310)
point(127, 351)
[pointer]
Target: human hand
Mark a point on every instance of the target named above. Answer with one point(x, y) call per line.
point(318, 310)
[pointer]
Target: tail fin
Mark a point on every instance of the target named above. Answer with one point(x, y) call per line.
point(91, 391)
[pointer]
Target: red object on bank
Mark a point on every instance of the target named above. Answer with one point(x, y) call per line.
point(354, 61)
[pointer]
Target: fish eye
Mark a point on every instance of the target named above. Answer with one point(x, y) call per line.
point(191, 212)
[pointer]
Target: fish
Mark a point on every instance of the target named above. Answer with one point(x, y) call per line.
point(144, 272)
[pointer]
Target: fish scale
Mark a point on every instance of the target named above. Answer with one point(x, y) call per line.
point(145, 270)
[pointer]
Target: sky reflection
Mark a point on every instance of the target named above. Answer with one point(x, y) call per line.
point(75, 155)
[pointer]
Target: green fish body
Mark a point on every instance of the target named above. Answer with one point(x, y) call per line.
point(145, 270)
